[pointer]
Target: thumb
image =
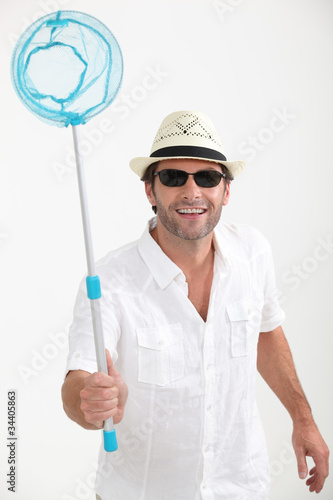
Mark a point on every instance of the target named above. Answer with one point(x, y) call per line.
point(111, 369)
point(301, 463)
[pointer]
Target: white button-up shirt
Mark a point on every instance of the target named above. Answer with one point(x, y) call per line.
point(191, 428)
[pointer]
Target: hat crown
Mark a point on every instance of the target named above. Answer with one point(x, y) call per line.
point(186, 134)
point(186, 128)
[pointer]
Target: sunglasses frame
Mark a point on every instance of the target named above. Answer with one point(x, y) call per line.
point(187, 175)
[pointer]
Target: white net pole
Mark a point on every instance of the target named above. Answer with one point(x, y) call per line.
point(94, 303)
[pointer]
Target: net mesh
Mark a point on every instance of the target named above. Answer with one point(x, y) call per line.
point(67, 67)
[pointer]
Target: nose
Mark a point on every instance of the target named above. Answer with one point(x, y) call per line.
point(191, 190)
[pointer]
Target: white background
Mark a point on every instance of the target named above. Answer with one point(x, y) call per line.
point(241, 62)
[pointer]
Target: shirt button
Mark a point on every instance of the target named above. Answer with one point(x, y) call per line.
point(209, 407)
point(207, 449)
point(160, 342)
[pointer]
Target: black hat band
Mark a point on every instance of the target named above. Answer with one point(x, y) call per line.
point(193, 151)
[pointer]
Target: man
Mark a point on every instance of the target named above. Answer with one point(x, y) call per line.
point(189, 313)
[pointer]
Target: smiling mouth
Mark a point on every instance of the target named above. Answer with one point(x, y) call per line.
point(191, 210)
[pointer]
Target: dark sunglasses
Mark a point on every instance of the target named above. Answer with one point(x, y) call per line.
point(204, 178)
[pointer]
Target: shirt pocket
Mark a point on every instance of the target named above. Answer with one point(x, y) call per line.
point(160, 354)
point(239, 314)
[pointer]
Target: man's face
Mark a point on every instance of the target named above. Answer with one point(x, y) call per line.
point(173, 202)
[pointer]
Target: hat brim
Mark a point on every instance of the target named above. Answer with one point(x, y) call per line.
point(140, 164)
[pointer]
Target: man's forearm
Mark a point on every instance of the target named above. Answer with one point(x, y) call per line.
point(276, 366)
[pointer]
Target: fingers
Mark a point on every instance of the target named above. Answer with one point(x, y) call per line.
point(96, 411)
point(315, 481)
point(99, 398)
point(321, 462)
point(119, 382)
point(100, 379)
point(99, 393)
point(319, 472)
point(307, 441)
point(104, 396)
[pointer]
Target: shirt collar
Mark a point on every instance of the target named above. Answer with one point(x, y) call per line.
point(222, 250)
point(162, 268)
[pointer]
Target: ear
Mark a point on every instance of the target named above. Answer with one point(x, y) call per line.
point(226, 193)
point(149, 193)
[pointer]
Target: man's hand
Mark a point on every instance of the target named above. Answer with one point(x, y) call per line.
point(308, 442)
point(103, 396)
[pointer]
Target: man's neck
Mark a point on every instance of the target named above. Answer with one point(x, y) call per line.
point(191, 256)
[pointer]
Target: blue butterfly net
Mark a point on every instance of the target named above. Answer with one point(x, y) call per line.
point(66, 68)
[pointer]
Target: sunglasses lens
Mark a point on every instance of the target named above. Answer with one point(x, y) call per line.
point(175, 178)
point(172, 178)
point(208, 178)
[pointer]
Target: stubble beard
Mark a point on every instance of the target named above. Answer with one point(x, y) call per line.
point(168, 220)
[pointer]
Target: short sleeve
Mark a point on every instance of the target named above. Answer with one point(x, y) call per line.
point(272, 314)
point(82, 355)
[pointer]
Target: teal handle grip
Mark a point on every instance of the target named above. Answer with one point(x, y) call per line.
point(93, 287)
point(110, 440)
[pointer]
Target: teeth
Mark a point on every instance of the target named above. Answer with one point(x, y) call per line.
point(191, 211)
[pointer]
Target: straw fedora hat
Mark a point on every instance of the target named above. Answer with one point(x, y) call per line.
point(186, 134)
